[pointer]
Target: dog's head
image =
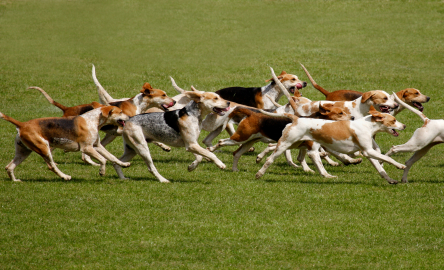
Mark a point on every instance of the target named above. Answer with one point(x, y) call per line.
point(291, 82)
point(332, 112)
point(113, 115)
point(381, 100)
point(413, 97)
point(156, 98)
point(209, 101)
point(388, 122)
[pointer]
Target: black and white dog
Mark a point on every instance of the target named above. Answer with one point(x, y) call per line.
point(179, 128)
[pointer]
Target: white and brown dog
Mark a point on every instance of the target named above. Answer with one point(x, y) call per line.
point(423, 139)
point(340, 136)
point(78, 133)
point(179, 128)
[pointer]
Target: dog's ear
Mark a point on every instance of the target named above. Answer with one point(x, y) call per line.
point(324, 109)
point(194, 95)
point(377, 116)
point(96, 105)
point(367, 95)
point(279, 77)
point(106, 111)
point(146, 89)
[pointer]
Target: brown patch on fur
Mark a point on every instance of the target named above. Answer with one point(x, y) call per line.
point(338, 131)
point(410, 95)
point(259, 100)
point(426, 122)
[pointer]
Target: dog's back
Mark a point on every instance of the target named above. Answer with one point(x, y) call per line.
point(246, 96)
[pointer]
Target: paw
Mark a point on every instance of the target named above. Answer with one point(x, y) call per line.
point(392, 182)
point(192, 166)
point(401, 167)
point(221, 166)
point(211, 149)
point(258, 159)
point(125, 164)
point(334, 164)
point(251, 149)
point(67, 177)
point(259, 175)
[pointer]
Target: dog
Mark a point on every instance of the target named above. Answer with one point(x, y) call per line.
point(256, 126)
point(411, 96)
point(423, 139)
point(78, 133)
point(255, 96)
point(341, 136)
point(179, 128)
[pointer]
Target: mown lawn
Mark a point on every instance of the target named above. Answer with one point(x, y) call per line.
point(211, 218)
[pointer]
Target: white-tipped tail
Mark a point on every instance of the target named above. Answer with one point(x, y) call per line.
point(104, 97)
point(273, 101)
point(420, 114)
point(178, 89)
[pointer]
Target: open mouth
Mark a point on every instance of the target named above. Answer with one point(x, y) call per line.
point(292, 89)
point(384, 109)
point(166, 106)
point(394, 132)
point(121, 123)
point(220, 111)
point(418, 105)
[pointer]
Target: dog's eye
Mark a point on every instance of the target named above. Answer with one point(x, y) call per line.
point(385, 98)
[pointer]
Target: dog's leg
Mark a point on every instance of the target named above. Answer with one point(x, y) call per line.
point(107, 139)
point(128, 154)
point(290, 159)
point(87, 159)
point(346, 159)
point(230, 129)
point(302, 161)
point(102, 150)
point(240, 151)
point(164, 147)
point(89, 150)
point(213, 134)
point(280, 148)
point(267, 150)
point(195, 163)
point(372, 153)
point(416, 156)
point(314, 156)
point(133, 136)
point(381, 171)
point(21, 153)
point(195, 148)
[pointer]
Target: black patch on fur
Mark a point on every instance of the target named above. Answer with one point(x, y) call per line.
point(241, 95)
point(172, 118)
point(272, 127)
point(57, 123)
point(116, 103)
point(86, 109)
point(108, 127)
point(352, 96)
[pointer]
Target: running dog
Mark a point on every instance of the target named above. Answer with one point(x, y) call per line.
point(78, 133)
point(179, 128)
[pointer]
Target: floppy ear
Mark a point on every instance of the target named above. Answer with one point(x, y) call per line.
point(377, 116)
point(279, 77)
point(106, 111)
point(96, 105)
point(366, 96)
point(324, 109)
point(194, 95)
point(146, 89)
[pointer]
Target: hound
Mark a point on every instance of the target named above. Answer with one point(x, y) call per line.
point(423, 139)
point(255, 96)
point(256, 126)
point(179, 128)
point(411, 96)
point(341, 136)
point(78, 133)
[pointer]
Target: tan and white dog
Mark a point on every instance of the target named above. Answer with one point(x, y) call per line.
point(179, 128)
point(340, 136)
point(78, 133)
point(423, 139)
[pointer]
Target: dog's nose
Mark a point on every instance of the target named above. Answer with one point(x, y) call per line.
point(352, 118)
point(304, 84)
point(396, 106)
point(428, 98)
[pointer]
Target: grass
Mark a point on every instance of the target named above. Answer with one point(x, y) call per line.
point(211, 218)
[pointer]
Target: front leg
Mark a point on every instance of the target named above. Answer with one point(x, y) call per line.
point(371, 153)
point(381, 171)
point(102, 150)
point(195, 148)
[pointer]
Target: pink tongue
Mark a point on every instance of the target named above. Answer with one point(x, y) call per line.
point(299, 86)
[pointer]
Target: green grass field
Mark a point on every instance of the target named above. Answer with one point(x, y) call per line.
point(211, 218)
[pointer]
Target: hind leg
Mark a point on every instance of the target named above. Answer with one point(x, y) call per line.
point(240, 151)
point(128, 154)
point(416, 156)
point(21, 153)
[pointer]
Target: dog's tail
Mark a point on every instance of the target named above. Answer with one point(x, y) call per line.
point(60, 106)
point(178, 89)
point(104, 97)
point(288, 115)
point(11, 120)
point(315, 85)
point(420, 114)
